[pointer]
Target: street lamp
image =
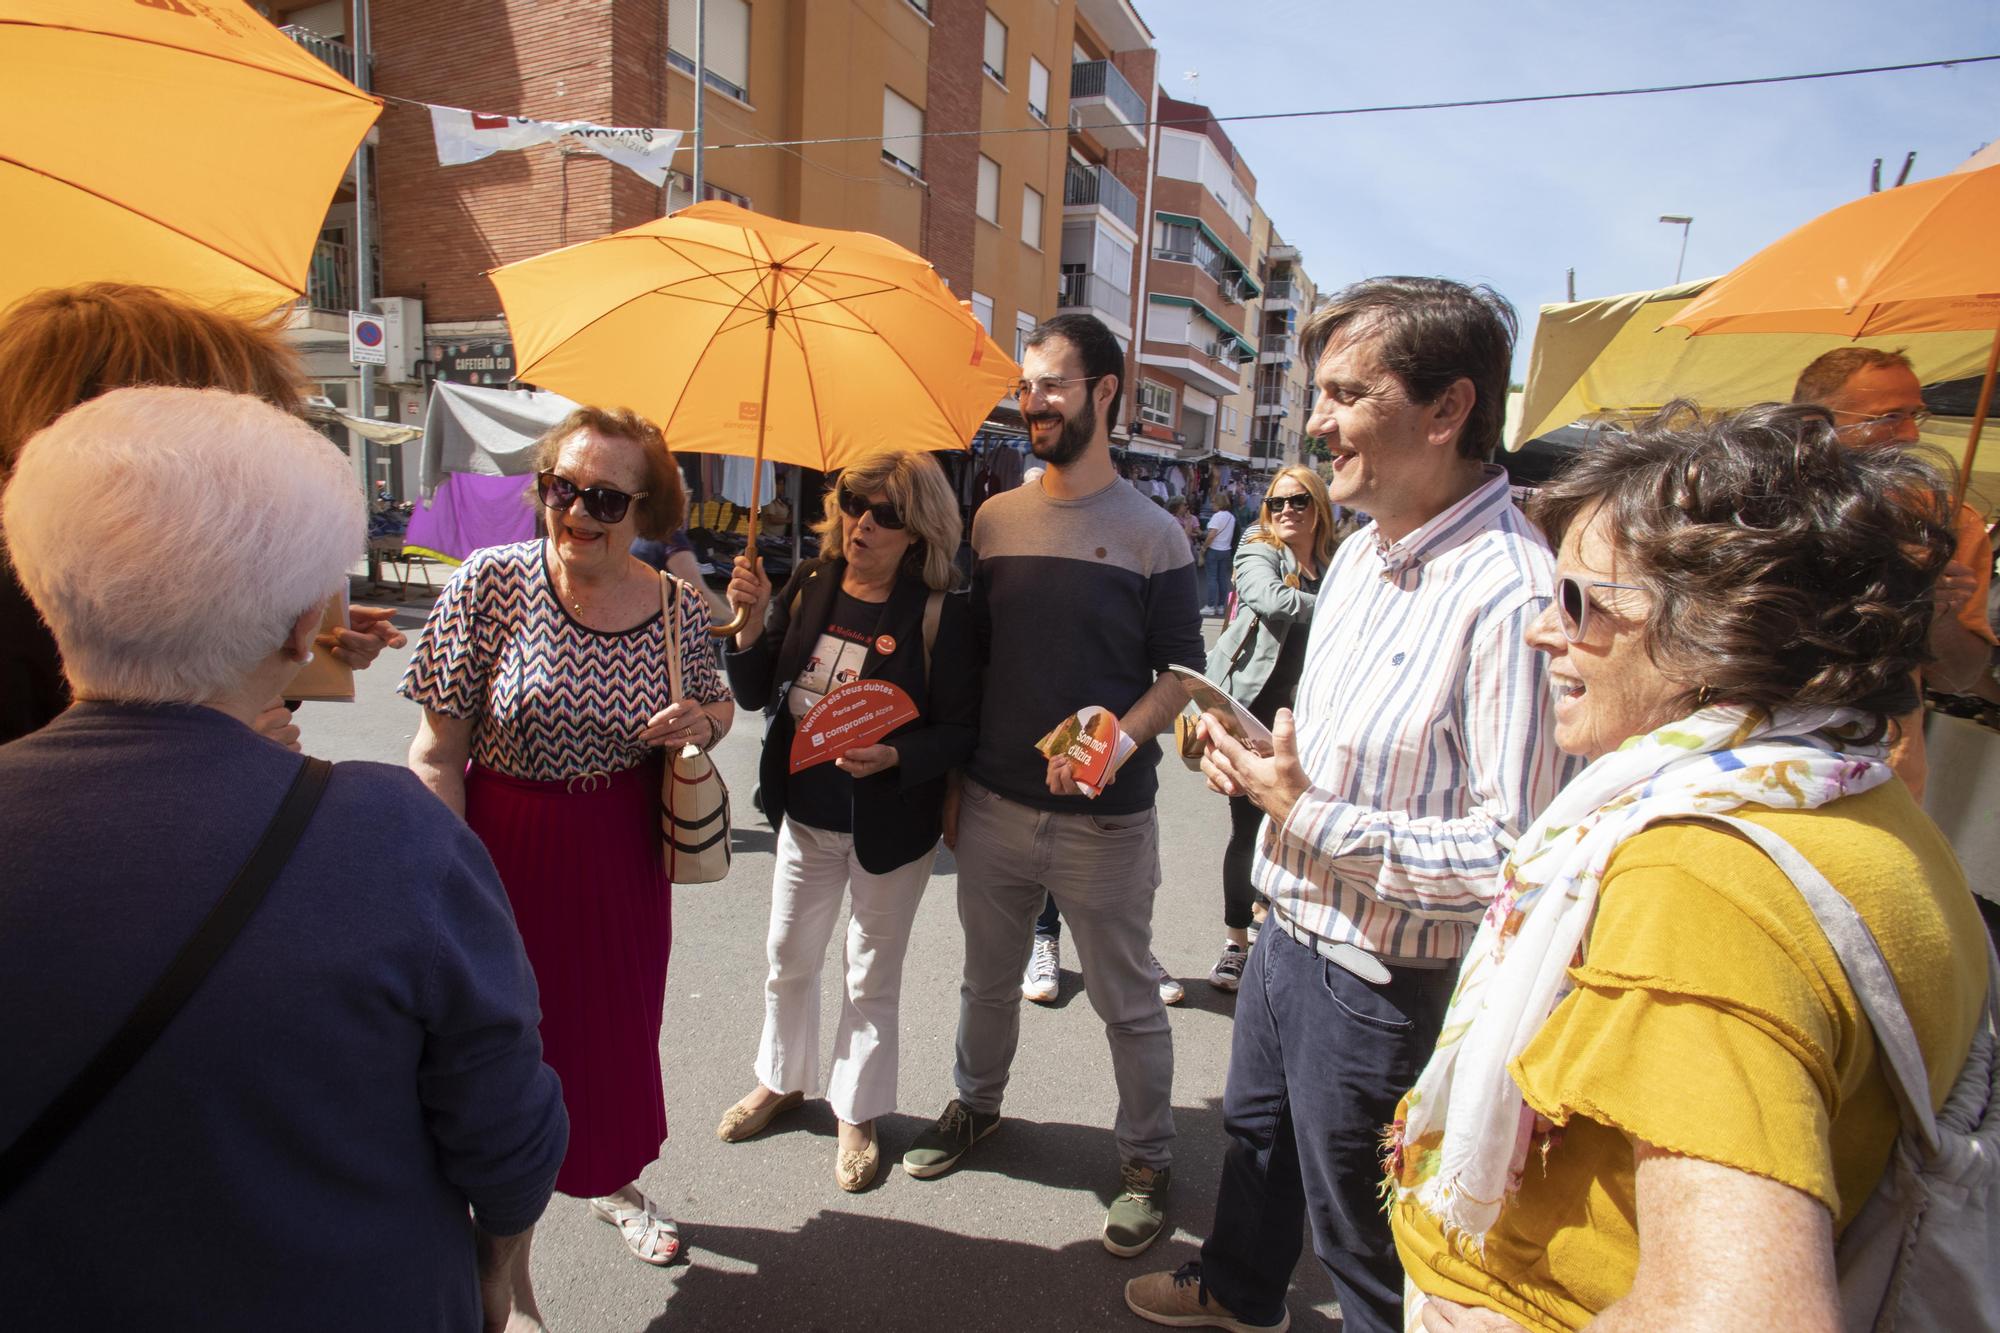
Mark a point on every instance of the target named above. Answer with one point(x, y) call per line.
point(1685, 224)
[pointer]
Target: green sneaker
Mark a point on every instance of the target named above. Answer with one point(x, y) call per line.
point(937, 1149)
point(1139, 1214)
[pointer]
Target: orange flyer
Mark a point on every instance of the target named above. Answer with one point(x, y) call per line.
point(1093, 744)
point(859, 713)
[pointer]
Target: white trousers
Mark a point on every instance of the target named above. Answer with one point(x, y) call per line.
point(815, 867)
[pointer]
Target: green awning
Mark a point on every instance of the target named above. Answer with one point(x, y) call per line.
point(1242, 269)
point(1246, 350)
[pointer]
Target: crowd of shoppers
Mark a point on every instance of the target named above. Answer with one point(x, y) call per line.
point(1512, 972)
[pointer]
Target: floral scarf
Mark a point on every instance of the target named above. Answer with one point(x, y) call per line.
point(1466, 1131)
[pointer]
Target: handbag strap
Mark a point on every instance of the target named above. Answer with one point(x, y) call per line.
point(670, 587)
point(218, 930)
point(1868, 974)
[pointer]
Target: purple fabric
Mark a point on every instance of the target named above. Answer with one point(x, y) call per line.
point(471, 511)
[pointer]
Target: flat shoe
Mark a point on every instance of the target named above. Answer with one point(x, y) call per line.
point(652, 1238)
point(740, 1122)
point(855, 1171)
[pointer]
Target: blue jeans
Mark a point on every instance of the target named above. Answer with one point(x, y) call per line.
point(1215, 579)
point(1317, 1063)
point(1049, 924)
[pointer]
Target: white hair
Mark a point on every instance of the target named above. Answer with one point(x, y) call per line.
point(172, 537)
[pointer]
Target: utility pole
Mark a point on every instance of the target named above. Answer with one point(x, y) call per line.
point(1571, 283)
point(1686, 224)
point(364, 276)
point(700, 93)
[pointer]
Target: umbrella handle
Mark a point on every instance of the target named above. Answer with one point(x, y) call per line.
point(742, 615)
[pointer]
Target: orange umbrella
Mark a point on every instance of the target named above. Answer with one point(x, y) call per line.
point(1920, 258)
point(745, 334)
point(179, 145)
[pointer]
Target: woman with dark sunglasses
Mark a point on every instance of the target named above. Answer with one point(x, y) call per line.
point(1258, 659)
point(1658, 1098)
point(877, 605)
point(547, 706)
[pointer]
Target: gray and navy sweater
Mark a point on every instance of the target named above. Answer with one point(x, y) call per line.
point(1075, 602)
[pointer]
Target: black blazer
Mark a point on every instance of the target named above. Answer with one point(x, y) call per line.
point(897, 812)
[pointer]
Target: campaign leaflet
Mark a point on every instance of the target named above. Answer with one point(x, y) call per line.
point(858, 713)
point(1093, 744)
point(1234, 718)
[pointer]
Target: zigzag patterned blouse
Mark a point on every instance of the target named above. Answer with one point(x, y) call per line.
point(552, 699)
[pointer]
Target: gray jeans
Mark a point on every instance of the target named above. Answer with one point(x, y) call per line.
point(1102, 872)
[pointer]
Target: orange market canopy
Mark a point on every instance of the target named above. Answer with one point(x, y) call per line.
point(189, 146)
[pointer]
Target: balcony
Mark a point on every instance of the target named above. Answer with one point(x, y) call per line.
point(335, 55)
point(1101, 101)
point(1117, 24)
point(1282, 294)
point(1083, 290)
point(1096, 187)
point(1281, 253)
point(330, 278)
point(1278, 349)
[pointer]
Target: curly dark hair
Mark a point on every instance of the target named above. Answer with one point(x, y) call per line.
point(1785, 568)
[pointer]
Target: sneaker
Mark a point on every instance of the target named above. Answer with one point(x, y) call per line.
point(1228, 972)
point(1171, 991)
point(1138, 1215)
point(1043, 978)
point(1179, 1300)
point(936, 1150)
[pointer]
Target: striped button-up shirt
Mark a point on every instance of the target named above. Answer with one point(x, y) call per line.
point(1425, 725)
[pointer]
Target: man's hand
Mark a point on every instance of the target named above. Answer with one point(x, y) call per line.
point(1062, 778)
point(1443, 1316)
point(1273, 782)
point(866, 760)
point(1954, 588)
point(369, 630)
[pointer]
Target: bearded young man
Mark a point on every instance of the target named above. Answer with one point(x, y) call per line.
point(1082, 593)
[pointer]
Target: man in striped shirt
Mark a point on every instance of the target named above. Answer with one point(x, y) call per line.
point(1419, 750)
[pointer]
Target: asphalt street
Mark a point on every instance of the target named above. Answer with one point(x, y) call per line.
point(1009, 1241)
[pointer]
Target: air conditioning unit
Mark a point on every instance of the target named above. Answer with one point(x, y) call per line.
point(1075, 120)
point(403, 323)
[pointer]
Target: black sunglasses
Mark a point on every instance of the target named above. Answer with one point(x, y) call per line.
point(600, 502)
point(1573, 603)
point(885, 514)
point(1278, 504)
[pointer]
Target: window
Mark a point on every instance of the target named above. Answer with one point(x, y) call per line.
point(728, 43)
point(1031, 216)
point(1038, 89)
point(1024, 324)
point(902, 133)
point(982, 309)
point(996, 48)
point(988, 202)
point(680, 192)
point(1156, 403)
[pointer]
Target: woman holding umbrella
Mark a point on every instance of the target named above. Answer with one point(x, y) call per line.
point(544, 680)
point(878, 606)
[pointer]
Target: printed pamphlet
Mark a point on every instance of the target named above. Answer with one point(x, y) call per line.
point(1235, 719)
point(1092, 742)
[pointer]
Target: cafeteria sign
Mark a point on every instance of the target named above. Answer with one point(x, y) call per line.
point(859, 713)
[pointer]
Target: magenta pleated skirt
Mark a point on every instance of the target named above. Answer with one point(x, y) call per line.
point(581, 863)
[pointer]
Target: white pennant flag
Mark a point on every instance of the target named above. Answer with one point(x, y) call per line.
point(468, 136)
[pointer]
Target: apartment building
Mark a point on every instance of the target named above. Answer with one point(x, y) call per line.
point(1280, 396)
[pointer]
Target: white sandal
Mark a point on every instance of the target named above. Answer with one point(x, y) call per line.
point(652, 1238)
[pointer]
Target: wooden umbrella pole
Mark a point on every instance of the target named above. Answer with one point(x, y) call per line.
point(756, 473)
point(1979, 416)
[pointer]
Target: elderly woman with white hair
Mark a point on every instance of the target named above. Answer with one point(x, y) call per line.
point(340, 1115)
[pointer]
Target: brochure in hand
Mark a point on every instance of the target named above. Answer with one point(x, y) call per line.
point(1237, 720)
point(1092, 742)
point(858, 713)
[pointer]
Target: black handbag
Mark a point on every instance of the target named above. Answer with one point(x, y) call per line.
point(197, 958)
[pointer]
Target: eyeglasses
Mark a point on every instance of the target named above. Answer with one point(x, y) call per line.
point(885, 513)
point(1047, 386)
point(1892, 420)
point(1573, 603)
point(1278, 504)
point(600, 502)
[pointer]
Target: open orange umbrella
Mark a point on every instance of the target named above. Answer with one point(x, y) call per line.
point(1922, 258)
point(745, 334)
point(189, 146)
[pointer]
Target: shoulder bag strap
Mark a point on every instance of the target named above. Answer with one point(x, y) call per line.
point(933, 610)
point(1867, 972)
point(670, 608)
point(182, 978)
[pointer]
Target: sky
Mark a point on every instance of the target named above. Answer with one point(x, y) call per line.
point(1514, 196)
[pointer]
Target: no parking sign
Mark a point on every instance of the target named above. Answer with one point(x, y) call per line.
point(367, 339)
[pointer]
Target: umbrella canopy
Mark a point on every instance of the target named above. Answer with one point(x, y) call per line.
point(744, 334)
point(186, 146)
